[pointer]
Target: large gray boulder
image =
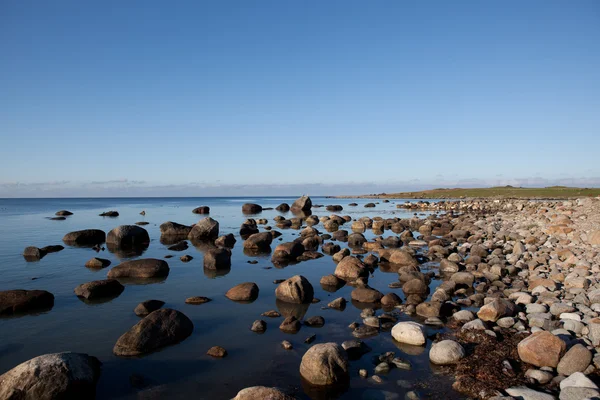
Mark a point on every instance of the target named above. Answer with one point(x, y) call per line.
point(173, 229)
point(325, 364)
point(159, 329)
point(142, 268)
point(52, 377)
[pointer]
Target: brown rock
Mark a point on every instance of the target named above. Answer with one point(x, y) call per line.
point(217, 352)
point(247, 291)
point(541, 349)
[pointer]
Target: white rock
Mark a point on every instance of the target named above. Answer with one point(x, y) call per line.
point(578, 379)
point(409, 332)
point(525, 393)
point(446, 352)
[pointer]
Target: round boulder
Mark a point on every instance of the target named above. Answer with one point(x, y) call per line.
point(409, 332)
point(128, 236)
point(205, 229)
point(325, 364)
point(247, 291)
point(142, 268)
point(86, 237)
point(99, 289)
point(262, 392)
point(296, 289)
point(23, 301)
point(446, 352)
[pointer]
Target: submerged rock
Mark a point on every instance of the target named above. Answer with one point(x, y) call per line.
point(142, 268)
point(146, 307)
point(247, 291)
point(325, 364)
point(86, 237)
point(24, 301)
point(159, 329)
point(99, 289)
point(128, 236)
point(296, 289)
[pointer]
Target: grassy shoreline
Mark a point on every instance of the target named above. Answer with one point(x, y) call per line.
point(507, 192)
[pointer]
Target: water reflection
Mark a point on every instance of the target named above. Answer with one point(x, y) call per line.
point(292, 310)
point(215, 273)
point(123, 252)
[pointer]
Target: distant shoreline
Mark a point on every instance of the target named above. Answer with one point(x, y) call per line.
point(504, 192)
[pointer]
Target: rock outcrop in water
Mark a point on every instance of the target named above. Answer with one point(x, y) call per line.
point(108, 288)
point(247, 291)
point(63, 213)
point(126, 236)
point(52, 377)
point(86, 237)
point(325, 364)
point(143, 268)
point(201, 210)
point(158, 329)
point(25, 301)
point(206, 229)
point(250, 208)
point(262, 392)
point(296, 289)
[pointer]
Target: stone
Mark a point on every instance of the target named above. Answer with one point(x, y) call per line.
point(296, 289)
point(429, 309)
point(251, 208)
point(496, 309)
point(290, 325)
point(325, 364)
point(110, 214)
point(541, 349)
point(201, 210)
point(97, 263)
point(366, 295)
point(86, 237)
point(415, 286)
point(217, 352)
point(128, 236)
point(409, 332)
point(331, 280)
point(174, 230)
point(391, 300)
point(446, 352)
point(315, 322)
point(260, 393)
point(52, 377)
point(186, 258)
point(197, 300)
point(99, 289)
point(525, 393)
point(259, 241)
point(259, 326)
point(303, 203)
point(146, 307)
point(576, 359)
point(338, 304)
point(217, 258)
point(25, 301)
point(463, 278)
point(63, 213)
point(205, 230)
point(227, 241)
point(158, 329)
point(142, 268)
point(350, 269)
point(247, 291)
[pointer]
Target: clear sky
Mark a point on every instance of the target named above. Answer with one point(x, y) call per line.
point(206, 98)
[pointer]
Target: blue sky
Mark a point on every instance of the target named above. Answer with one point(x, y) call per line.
point(156, 98)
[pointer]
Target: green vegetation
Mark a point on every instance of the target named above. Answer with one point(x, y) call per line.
point(553, 192)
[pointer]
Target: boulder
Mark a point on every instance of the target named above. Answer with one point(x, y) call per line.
point(206, 229)
point(142, 268)
point(415, 286)
point(496, 309)
point(217, 352)
point(259, 241)
point(463, 278)
point(409, 332)
point(63, 213)
point(391, 300)
point(97, 263)
point(296, 289)
point(290, 325)
point(446, 352)
point(325, 364)
point(304, 203)
point(247, 291)
point(350, 269)
point(250, 208)
point(128, 236)
point(146, 307)
point(25, 301)
point(366, 295)
point(283, 207)
point(201, 210)
point(577, 359)
point(227, 241)
point(541, 349)
point(217, 258)
point(99, 289)
point(289, 251)
point(109, 214)
point(262, 393)
point(159, 329)
point(401, 257)
point(86, 237)
point(52, 377)
point(173, 229)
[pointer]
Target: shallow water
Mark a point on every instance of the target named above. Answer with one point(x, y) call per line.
point(184, 370)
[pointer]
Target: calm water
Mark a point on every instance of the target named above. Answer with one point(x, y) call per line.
point(184, 370)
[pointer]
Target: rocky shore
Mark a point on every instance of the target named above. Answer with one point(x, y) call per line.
point(509, 288)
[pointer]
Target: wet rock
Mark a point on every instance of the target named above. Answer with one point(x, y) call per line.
point(227, 241)
point(355, 349)
point(541, 349)
point(259, 241)
point(142, 268)
point(179, 246)
point(271, 314)
point(391, 300)
point(338, 304)
point(315, 322)
point(250, 208)
point(110, 214)
point(325, 364)
point(247, 291)
point(186, 258)
point(366, 295)
point(290, 325)
point(296, 289)
point(63, 213)
point(52, 377)
point(99, 289)
point(86, 237)
point(32, 253)
point(446, 352)
point(303, 203)
point(350, 269)
point(146, 307)
point(415, 286)
point(262, 392)
point(25, 301)
point(331, 280)
point(429, 309)
point(576, 359)
point(331, 248)
point(259, 326)
point(287, 252)
point(409, 332)
point(356, 240)
point(97, 263)
point(217, 352)
point(206, 229)
point(128, 236)
point(286, 345)
point(159, 329)
point(201, 210)
point(173, 229)
point(525, 393)
point(217, 258)
point(283, 207)
point(197, 300)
